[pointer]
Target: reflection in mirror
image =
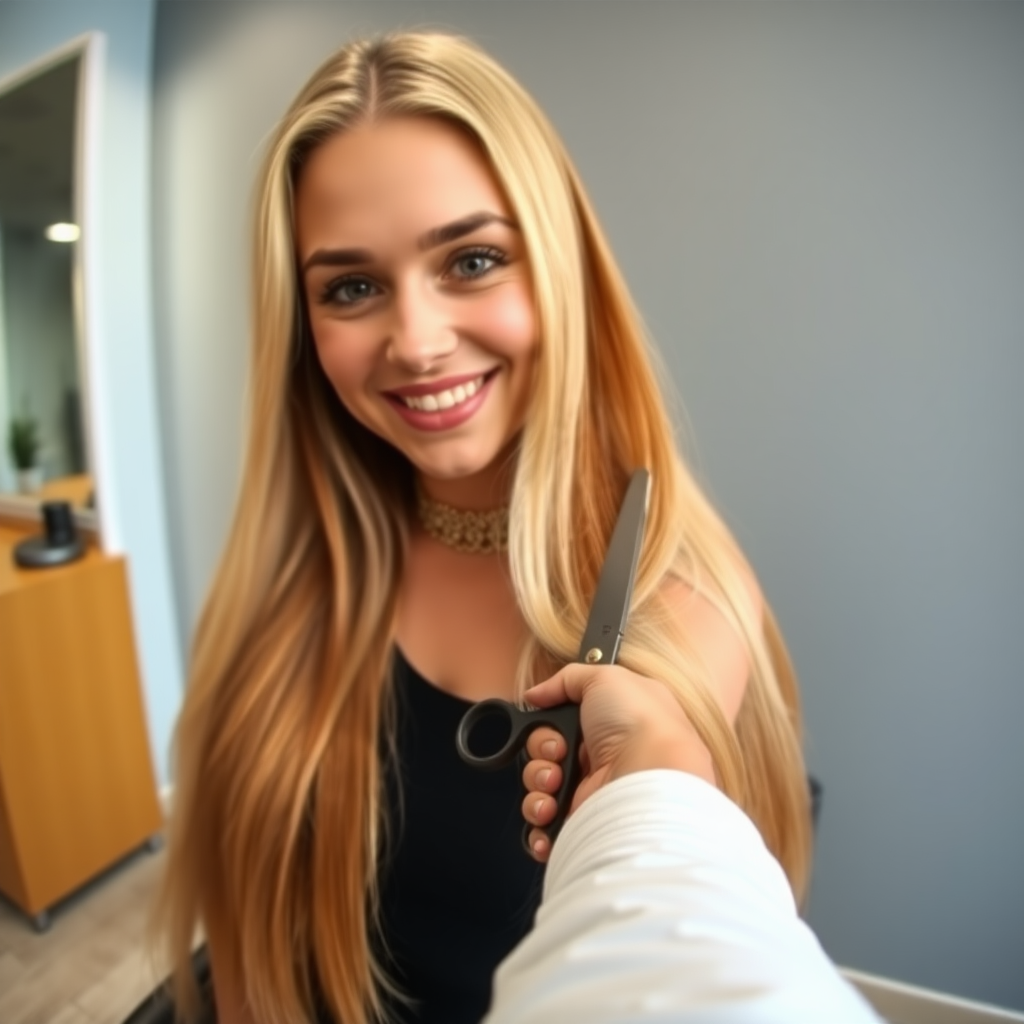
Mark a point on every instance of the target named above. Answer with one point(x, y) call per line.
point(44, 451)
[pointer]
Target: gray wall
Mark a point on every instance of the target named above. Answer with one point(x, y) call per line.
point(820, 210)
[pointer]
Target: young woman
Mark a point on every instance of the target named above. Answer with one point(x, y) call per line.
point(450, 388)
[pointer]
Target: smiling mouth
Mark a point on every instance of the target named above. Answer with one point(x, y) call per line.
point(439, 401)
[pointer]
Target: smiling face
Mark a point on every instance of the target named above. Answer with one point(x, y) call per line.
point(418, 290)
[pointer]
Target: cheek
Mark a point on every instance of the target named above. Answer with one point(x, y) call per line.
point(344, 358)
point(509, 323)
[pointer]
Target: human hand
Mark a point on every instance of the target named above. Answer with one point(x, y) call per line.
point(630, 723)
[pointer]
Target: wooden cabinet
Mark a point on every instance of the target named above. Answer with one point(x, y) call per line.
point(77, 788)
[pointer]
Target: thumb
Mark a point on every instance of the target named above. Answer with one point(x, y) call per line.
point(569, 683)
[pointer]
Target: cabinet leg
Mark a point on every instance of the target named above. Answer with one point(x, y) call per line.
point(41, 921)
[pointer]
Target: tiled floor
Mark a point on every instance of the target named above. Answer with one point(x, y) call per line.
point(92, 966)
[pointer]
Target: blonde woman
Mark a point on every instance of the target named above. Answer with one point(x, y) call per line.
point(450, 388)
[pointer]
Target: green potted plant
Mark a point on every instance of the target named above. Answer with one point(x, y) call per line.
point(24, 444)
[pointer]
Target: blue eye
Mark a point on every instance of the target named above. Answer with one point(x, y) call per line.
point(475, 263)
point(349, 290)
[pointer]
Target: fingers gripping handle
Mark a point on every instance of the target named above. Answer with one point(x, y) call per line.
point(565, 718)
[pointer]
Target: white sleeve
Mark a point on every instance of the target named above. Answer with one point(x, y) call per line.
point(662, 903)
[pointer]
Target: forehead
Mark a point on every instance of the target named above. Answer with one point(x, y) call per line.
point(385, 182)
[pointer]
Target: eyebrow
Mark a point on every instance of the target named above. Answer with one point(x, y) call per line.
point(429, 240)
point(463, 226)
point(337, 258)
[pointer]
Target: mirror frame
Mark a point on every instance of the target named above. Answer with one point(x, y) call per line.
point(88, 48)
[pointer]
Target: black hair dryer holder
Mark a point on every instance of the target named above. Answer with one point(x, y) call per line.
point(58, 545)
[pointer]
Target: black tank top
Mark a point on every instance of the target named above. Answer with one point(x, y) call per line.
point(458, 890)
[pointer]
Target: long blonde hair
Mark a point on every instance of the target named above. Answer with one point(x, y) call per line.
point(278, 805)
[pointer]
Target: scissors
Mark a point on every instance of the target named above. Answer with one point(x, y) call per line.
point(600, 646)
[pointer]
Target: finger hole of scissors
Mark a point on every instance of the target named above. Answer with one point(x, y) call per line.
point(488, 733)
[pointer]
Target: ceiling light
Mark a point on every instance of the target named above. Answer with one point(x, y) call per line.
point(63, 232)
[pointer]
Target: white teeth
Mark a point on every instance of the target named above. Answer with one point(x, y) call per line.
point(445, 399)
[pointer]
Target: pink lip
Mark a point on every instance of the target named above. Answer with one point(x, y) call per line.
point(435, 387)
point(443, 419)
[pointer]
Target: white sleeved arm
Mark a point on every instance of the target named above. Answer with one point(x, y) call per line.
point(662, 903)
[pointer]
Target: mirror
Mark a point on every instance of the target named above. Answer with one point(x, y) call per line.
point(43, 397)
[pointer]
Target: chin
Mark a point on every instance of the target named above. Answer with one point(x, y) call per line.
point(456, 465)
point(450, 471)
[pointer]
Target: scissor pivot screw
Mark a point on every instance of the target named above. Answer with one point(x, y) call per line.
point(594, 655)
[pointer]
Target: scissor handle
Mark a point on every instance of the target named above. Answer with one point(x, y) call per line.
point(565, 718)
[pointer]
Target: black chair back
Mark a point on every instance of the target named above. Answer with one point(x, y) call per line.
point(158, 1006)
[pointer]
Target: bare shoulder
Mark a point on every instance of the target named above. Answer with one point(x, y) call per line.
point(713, 637)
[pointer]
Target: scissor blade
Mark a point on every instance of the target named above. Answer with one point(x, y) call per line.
point(608, 612)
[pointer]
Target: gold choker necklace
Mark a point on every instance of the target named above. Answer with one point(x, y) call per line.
point(474, 533)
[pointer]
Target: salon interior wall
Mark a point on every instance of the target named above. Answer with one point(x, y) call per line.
point(819, 209)
point(124, 385)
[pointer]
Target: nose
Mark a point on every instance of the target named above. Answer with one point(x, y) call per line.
point(421, 334)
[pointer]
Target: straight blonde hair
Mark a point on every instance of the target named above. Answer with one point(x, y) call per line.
point(278, 806)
